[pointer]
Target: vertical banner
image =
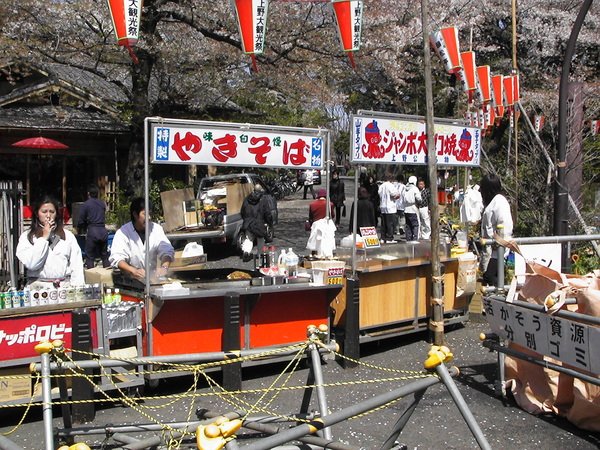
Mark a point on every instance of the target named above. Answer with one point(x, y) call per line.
point(538, 122)
point(348, 15)
point(595, 127)
point(467, 74)
point(252, 22)
point(445, 42)
point(484, 89)
point(509, 89)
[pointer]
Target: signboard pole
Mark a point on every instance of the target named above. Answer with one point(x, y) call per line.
point(436, 321)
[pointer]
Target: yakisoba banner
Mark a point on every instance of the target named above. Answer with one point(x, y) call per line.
point(385, 139)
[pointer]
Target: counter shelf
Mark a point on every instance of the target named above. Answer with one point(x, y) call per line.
point(389, 294)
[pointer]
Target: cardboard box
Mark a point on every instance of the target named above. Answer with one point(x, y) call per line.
point(99, 275)
point(18, 384)
point(192, 214)
point(183, 264)
point(172, 203)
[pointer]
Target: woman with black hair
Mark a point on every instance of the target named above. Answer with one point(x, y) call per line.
point(496, 218)
point(128, 249)
point(50, 253)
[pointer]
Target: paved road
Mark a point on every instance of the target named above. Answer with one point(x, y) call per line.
point(436, 423)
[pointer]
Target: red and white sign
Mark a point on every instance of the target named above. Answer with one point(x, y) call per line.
point(348, 15)
point(595, 127)
point(538, 122)
point(370, 237)
point(19, 335)
point(126, 16)
point(233, 144)
point(445, 42)
point(386, 139)
point(252, 23)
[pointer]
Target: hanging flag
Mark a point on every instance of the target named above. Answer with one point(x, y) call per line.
point(252, 23)
point(126, 16)
point(516, 94)
point(484, 90)
point(467, 74)
point(595, 127)
point(509, 89)
point(491, 118)
point(348, 15)
point(445, 43)
point(538, 122)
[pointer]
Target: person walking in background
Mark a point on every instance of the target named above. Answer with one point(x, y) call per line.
point(496, 214)
point(257, 218)
point(365, 215)
point(388, 195)
point(128, 249)
point(50, 253)
point(400, 221)
point(370, 183)
point(92, 218)
point(309, 181)
point(318, 208)
point(423, 205)
point(411, 211)
point(337, 195)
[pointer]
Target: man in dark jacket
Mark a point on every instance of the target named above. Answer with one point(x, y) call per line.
point(257, 216)
point(337, 195)
point(92, 218)
point(365, 216)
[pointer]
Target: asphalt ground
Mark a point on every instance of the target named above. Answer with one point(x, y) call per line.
point(435, 424)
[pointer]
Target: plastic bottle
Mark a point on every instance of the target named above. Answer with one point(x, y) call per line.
point(292, 263)
point(26, 297)
point(16, 299)
point(272, 257)
point(116, 298)
point(282, 263)
point(264, 256)
point(108, 298)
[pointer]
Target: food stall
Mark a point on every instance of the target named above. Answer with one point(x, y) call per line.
point(387, 288)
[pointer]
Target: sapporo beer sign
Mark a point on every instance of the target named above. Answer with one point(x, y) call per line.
point(220, 143)
point(335, 275)
point(370, 237)
point(385, 139)
point(571, 342)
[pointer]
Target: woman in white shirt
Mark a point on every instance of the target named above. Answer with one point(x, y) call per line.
point(496, 218)
point(128, 248)
point(50, 253)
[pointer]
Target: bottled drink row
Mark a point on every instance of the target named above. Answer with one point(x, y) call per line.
point(286, 263)
point(27, 297)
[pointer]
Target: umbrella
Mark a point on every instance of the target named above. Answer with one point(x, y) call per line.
point(40, 142)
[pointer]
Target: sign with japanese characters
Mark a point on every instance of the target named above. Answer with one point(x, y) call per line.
point(19, 335)
point(232, 144)
point(126, 15)
point(386, 139)
point(370, 237)
point(571, 342)
point(252, 23)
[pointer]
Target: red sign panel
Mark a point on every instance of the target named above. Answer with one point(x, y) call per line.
point(19, 335)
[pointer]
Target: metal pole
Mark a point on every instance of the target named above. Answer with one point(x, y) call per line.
point(402, 421)
point(443, 373)
point(7, 444)
point(147, 209)
point(339, 416)
point(436, 322)
point(354, 219)
point(315, 358)
point(561, 209)
point(516, 126)
point(47, 402)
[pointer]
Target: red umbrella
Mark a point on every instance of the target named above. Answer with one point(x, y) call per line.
point(40, 142)
point(48, 144)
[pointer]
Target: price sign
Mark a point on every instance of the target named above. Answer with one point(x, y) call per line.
point(369, 235)
point(335, 275)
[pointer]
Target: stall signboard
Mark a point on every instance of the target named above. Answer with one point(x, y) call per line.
point(395, 139)
point(19, 335)
point(370, 237)
point(220, 143)
point(571, 342)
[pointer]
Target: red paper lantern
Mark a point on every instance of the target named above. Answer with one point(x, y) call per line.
point(348, 15)
point(126, 16)
point(467, 73)
point(498, 86)
point(445, 42)
point(484, 90)
point(509, 98)
point(252, 23)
